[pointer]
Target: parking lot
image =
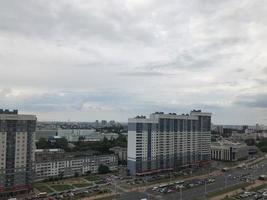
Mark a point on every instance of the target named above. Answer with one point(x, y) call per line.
point(259, 194)
point(197, 189)
point(181, 185)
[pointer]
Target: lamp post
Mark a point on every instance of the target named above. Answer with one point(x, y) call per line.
point(225, 181)
point(181, 194)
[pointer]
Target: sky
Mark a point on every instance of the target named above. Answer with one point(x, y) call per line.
point(82, 60)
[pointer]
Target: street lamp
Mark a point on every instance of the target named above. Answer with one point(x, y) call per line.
point(181, 193)
point(225, 181)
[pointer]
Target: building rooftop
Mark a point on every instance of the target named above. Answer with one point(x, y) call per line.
point(46, 155)
point(156, 115)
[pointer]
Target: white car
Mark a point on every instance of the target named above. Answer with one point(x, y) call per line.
point(154, 188)
point(264, 194)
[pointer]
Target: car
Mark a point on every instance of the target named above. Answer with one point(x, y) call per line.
point(163, 190)
point(155, 188)
point(264, 194)
point(257, 196)
point(211, 180)
point(179, 182)
point(180, 186)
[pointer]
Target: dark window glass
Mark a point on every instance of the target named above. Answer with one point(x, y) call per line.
point(139, 127)
point(185, 125)
point(161, 125)
point(167, 125)
point(194, 125)
point(181, 125)
point(175, 125)
point(171, 125)
point(189, 125)
point(206, 124)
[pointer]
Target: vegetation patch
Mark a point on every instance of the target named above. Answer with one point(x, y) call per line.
point(61, 187)
point(81, 185)
point(229, 189)
point(92, 178)
point(258, 187)
point(43, 188)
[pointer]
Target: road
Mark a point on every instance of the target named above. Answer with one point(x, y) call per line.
point(222, 181)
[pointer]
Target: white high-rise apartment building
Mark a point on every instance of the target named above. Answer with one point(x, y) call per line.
point(16, 152)
point(168, 141)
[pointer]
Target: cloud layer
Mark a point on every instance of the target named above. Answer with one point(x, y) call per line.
point(87, 60)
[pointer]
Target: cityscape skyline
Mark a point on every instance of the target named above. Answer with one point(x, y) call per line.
point(87, 60)
point(133, 99)
point(99, 120)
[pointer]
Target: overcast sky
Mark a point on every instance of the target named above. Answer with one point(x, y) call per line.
point(113, 59)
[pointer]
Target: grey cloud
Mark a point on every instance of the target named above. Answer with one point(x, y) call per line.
point(181, 62)
point(144, 73)
point(239, 70)
point(64, 19)
point(258, 101)
point(4, 92)
point(66, 100)
point(115, 51)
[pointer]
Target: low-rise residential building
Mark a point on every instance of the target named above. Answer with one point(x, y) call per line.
point(229, 151)
point(121, 152)
point(73, 135)
point(57, 163)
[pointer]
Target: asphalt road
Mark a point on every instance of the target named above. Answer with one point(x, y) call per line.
point(222, 181)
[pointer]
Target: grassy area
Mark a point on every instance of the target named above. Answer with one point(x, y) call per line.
point(61, 187)
point(258, 187)
point(229, 189)
point(229, 198)
point(43, 188)
point(101, 195)
point(92, 178)
point(80, 185)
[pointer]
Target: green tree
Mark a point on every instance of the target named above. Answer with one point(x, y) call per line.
point(42, 144)
point(121, 141)
point(62, 143)
point(88, 173)
point(250, 142)
point(60, 175)
point(103, 169)
point(262, 145)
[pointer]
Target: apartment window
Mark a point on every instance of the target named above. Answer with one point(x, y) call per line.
point(161, 125)
point(167, 125)
point(181, 125)
point(189, 125)
point(206, 123)
point(175, 125)
point(139, 127)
